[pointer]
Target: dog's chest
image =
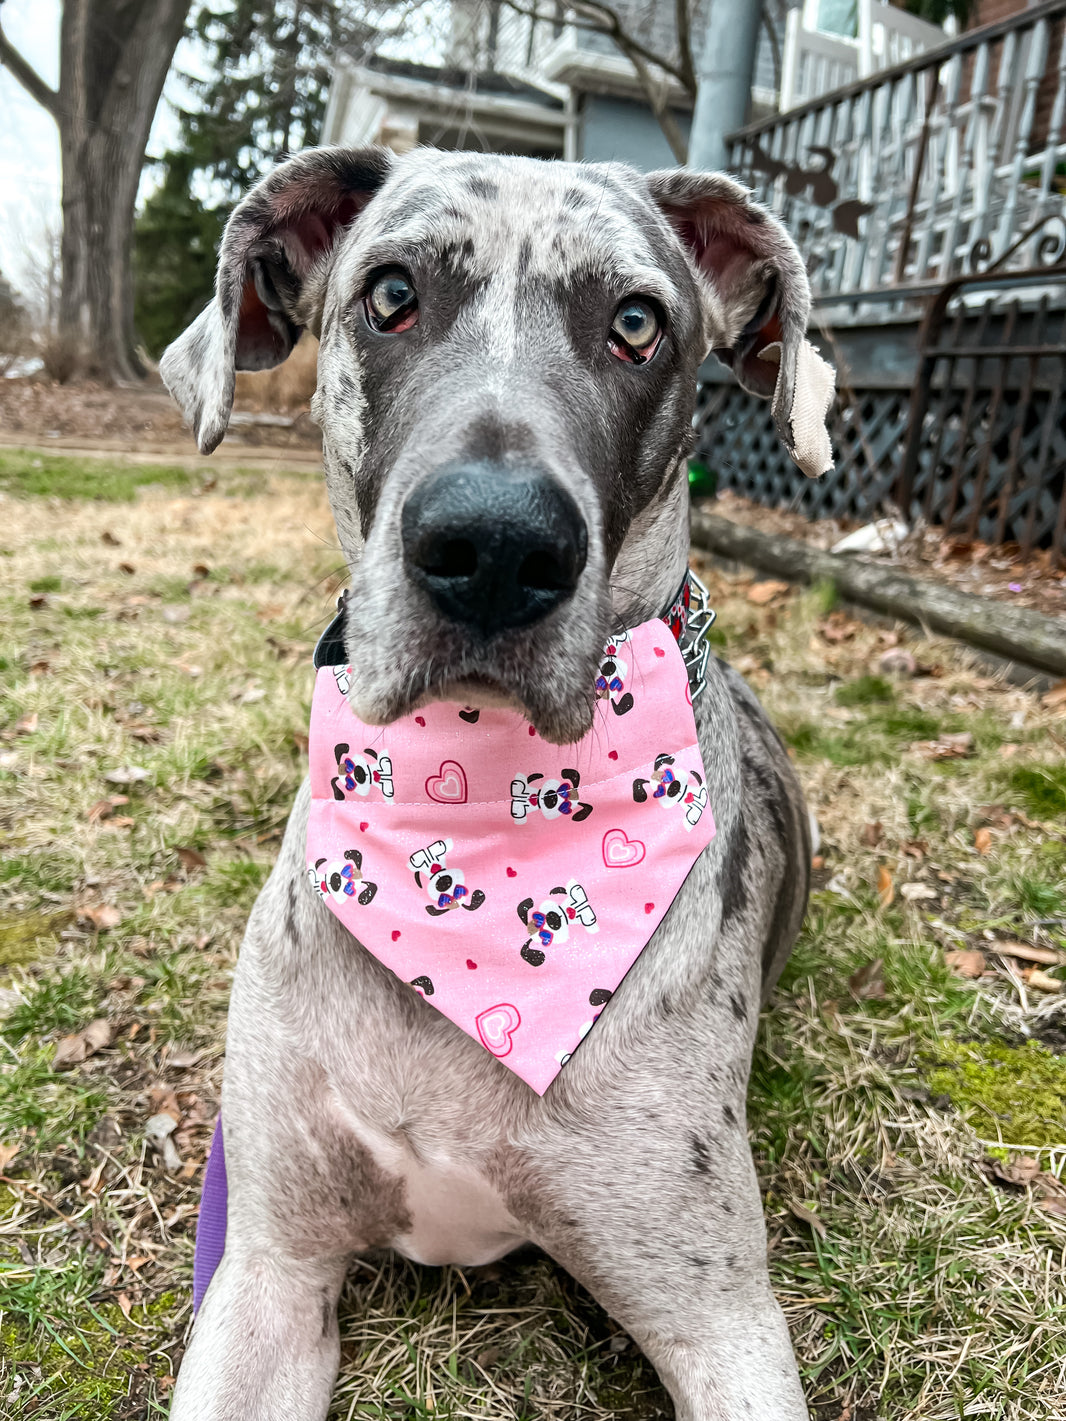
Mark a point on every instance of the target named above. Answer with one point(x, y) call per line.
point(452, 1212)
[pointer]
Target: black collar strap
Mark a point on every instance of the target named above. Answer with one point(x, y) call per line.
point(689, 618)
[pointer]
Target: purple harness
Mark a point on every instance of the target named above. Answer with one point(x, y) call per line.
point(211, 1225)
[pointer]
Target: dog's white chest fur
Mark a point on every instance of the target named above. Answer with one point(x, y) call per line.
point(456, 1216)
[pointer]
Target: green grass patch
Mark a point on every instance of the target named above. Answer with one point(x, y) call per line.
point(27, 474)
point(1041, 789)
point(865, 691)
point(1013, 1093)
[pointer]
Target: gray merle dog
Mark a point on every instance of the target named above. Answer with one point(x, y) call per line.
point(540, 326)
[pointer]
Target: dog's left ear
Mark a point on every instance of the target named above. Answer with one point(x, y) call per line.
point(275, 238)
point(762, 302)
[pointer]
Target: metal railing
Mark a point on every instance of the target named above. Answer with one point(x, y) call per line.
point(924, 171)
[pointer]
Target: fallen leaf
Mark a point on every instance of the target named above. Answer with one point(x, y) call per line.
point(120, 821)
point(27, 723)
point(158, 1130)
point(72, 1050)
point(838, 627)
point(871, 834)
point(191, 859)
point(126, 775)
point(914, 848)
point(956, 746)
point(886, 890)
point(38, 601)
point(1055, 1205)
point(1055, 698)
point(7, 1154)
point(808, 1216)
point(40, 668)
point(1019, 1170)
point(98, 1034)
point(818, 861)
point(966, 962)
point(201, 569)
point(982, 841)
point(301, 741)
point(103, 808)
point(897, 661)
point(183, 1060)
point(760, 593)
point(868, 982)
point(109, 539)
point(123, 1300)
point(170, 884)
point(103, 916)
point(1044, 982)
point(163, 1100)
point(127, 568)
point(1047, 956)
point(146, 734)
point(915, 892)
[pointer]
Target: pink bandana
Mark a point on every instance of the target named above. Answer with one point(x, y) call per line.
point(512, 882)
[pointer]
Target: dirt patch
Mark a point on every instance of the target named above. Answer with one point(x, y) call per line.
point(141, 418)
point(969, 566)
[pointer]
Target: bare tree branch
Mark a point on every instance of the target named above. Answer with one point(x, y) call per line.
point(683, 24)
point(598, 21)
point(28, 77)
point(775, 46)
point(602, 19)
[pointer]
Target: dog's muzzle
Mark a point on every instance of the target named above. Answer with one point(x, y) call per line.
point(493, 547)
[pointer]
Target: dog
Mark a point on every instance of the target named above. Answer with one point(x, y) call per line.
point(509, 347)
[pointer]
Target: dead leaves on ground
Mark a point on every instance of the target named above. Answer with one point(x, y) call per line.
point(807, 1216)
point(886, 888)
point(972, 963)
point(761, 594)
point(868, 982)
point(957, 745)
point(72, 1050)
point(966, 962)
point(1025, 1172)
point(102, 916)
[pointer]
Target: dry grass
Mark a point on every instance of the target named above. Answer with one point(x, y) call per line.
point(936, 1291)
point(285, 389)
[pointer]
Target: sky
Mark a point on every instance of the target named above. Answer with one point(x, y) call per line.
point(29, 143)
point(29, 140)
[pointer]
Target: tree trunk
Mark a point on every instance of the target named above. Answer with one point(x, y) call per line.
point(113, 59)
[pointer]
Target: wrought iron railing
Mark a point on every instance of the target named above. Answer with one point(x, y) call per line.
point(925, 171)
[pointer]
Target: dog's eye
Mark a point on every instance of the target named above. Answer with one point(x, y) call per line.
point(391, 303)
point(635, 332)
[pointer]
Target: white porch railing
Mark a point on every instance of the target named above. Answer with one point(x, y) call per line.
point(929, 168)
point(815, 61)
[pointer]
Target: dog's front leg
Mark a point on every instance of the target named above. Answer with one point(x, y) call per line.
point(265, 1346)
point(680, 1263)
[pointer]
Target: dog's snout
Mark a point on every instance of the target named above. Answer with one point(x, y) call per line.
point(492, 547)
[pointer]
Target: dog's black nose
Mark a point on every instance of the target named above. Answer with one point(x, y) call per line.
point(494, 548)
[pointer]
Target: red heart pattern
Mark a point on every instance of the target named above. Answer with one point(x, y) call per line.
point(448, 786)
point(620, 851)
point(496, 1026)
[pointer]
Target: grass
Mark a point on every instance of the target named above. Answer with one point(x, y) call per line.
point(28, 474)
point(936, 1291)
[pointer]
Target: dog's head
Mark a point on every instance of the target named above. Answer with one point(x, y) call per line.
point(507, 374)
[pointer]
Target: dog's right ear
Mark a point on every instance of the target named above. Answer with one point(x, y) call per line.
point(275, 237)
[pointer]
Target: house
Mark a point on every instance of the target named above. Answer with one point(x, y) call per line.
point(507, 81)
point(928, 198)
